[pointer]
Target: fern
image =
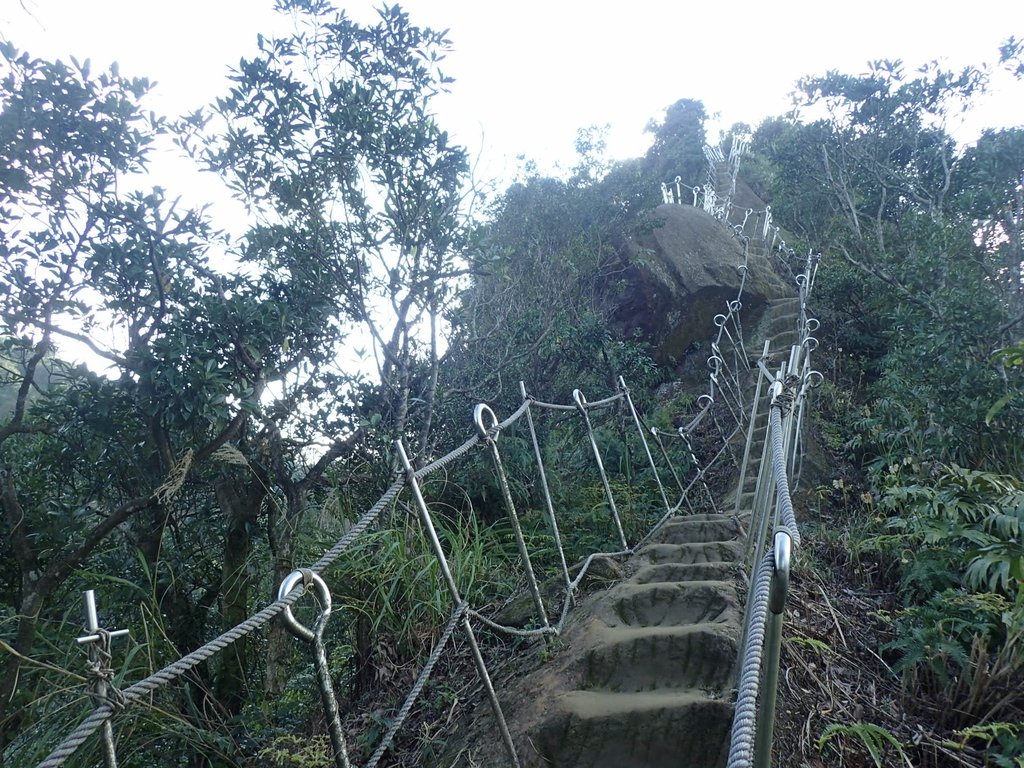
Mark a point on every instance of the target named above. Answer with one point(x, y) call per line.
point(876, 740)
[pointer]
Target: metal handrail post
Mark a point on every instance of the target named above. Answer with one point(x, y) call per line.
point(750, 430)
point(490, 436)
point(765, 727)
point(453, 590)
point(643, 440)
point(547, 492)
point(764, 491)
point(581, 405)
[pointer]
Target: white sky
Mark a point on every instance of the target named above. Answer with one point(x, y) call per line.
point(529, 73)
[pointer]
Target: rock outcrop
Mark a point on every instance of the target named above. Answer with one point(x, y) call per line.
point(680, 274)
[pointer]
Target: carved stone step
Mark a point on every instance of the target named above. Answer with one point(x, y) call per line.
point(656, 729)
point(669, 573)
point(684, 531)
point(699, 552)
point(634, 659)
point(673, 604)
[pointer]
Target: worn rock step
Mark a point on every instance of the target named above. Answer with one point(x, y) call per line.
point(671, 604)
point(630, 659)
point(668, 573)
point(656, 729)
point(696, 552)
point(684, 530)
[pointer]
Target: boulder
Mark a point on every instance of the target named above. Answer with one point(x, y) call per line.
point(680, 273)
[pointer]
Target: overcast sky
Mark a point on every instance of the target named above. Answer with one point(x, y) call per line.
point(530, 73)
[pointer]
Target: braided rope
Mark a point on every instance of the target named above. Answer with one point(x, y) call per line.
point(744, 724)
point(410, 700)
point(785, 500)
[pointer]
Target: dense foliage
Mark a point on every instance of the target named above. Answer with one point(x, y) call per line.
point(923, 298)
point(243, 397)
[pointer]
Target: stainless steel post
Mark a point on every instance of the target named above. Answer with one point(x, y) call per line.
point(453, 590)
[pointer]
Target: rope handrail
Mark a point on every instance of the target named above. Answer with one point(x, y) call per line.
point(770, 575)
point(139, 691)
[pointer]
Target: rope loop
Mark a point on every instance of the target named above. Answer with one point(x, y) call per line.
point(488, 433)
point(785, 395)
point(305, 578)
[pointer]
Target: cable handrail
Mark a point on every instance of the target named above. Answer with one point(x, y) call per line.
point(488, 433)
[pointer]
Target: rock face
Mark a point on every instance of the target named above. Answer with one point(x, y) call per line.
point(682, 273)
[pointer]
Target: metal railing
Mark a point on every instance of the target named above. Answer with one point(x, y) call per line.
point(111, 703)
point(768, 558)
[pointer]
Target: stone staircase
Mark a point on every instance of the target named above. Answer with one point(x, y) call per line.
point(646, 669)
point(652, 664)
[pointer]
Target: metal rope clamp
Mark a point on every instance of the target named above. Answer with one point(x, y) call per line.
point(782, 551)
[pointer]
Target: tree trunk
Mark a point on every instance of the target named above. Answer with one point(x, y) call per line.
point(11, 706)
point(241, 512)
point(280, 644)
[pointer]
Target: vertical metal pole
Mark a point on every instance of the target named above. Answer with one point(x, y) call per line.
point(547, 495)
point(769, 692)
point(315, 637)
point(750, 430)
point(492, 443)
point(761, 509)
point(765, 726)
point(96, 653)
point(581, 405)
point(453, 590)
point(643, 440)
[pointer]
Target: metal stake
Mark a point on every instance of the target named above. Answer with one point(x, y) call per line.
point(99, 660)
point(453, 590)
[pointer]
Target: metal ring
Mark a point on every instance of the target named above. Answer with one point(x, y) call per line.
point(715, 363)
point(782, 551)
point(303, 577)
point(742, 269)
point(811, 343)
point(812, 324)
point(705, 400)
point(579, 399)
point(814, 379)
point(801, 280)
point(735, 305)
point(485, 432)
point(719, 320)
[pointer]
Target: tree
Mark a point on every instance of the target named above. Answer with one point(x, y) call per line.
point(123, 275)
point(926, 228)
point(328, 137)
point(227, 397)
point(678, 147)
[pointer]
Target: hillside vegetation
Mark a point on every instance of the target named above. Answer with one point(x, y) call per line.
point(240, 398)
